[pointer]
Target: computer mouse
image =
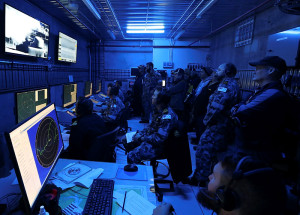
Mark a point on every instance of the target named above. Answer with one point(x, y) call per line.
point(130, 168)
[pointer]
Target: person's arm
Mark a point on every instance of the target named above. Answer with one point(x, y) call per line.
point(223, 99)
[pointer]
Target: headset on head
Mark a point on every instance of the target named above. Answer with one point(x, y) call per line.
point(226, 197)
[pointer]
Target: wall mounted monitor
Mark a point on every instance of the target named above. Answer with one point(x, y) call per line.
point(98, 86)
point(35, 146)
point(30, 102)
point(70, 94)
point(67, 48)
point(88, 89)
point(25, 35)
point(134, 72)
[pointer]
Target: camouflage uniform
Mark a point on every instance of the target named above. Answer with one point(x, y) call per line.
point(219, 129)
point(114, 106)
point(153, 137)
point(149, 83)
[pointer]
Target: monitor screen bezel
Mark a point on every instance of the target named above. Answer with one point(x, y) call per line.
point(63, 98)
point(27, 90)
point(131, 70)
point(58, 48)
point(97, 85)
point(16, 166)
point(18, 54)
point(91, 91)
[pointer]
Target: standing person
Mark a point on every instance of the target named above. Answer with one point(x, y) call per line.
point(206, 87)
point(262, 121)
point(177, 93)
point(218, 133)
point(138, 91)
point(150, 81)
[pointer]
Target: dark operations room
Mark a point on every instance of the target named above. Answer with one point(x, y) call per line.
point(141, 107)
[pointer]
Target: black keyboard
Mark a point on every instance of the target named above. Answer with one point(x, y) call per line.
point(100, 197)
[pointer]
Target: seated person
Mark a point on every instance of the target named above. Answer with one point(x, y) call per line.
point(85, 127)
point(114, 104)
point(240, 187)
point(149, 142)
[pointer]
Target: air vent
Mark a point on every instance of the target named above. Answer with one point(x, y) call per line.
point(289, 6)
point(168, 65)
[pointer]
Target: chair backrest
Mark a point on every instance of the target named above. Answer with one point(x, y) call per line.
point(178, 154)
point(102, 148)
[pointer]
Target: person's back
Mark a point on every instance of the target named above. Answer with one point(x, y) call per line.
point(85, 128)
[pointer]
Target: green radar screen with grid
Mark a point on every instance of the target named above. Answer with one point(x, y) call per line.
point(28, 103)
point(47, 142)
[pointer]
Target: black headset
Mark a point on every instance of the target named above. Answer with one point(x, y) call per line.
point(226, 197)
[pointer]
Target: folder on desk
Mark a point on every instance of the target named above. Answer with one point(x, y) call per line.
point(140, 175)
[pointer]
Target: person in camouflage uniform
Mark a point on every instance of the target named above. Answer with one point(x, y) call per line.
point(149, 83)
point(114, 104)
point(149, 142)
point(219, 128)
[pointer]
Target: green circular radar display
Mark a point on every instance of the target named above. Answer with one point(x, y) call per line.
point(46, 142)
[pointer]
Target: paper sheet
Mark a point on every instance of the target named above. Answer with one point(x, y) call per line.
point(134, 203)
point(129, 136)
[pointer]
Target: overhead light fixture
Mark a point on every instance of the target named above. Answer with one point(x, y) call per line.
point(205, 8)
point(179, 34)
point(92, 8)
point(111, 34)
point(145, 31)
point(143, 27)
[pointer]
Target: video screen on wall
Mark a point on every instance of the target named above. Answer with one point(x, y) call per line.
point(67, 48)
point(25, 35)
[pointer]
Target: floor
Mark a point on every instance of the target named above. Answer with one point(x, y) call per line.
point(183, 198)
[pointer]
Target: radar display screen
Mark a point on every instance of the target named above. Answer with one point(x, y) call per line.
point(70, 94)
point(36, 144)
point(28, 103)
point(46, 142)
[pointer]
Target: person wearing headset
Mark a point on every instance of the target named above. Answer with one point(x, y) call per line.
point(240, 187)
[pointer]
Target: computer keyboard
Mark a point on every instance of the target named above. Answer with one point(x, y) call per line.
point(100, 198)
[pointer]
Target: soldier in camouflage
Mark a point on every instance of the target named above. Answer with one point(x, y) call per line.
point(219, 128)
point(114, 104)
point(149, 142)
point(149, 83)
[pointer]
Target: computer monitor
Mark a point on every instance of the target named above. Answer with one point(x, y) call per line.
point(29, 102)
point(88, 89)
point(98, 86)
point(134, 72)
point(70, 94)
point(35, 146)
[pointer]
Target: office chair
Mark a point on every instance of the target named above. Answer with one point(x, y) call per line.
point(177, 153)
point(103, 147)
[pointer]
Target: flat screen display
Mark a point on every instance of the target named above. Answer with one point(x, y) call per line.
point(98, 86)
point(134, 72)
point(88, 89)
point(25, 35)
point(36, 145)
point(67, 48)
point(70, 94)
point(30, 102)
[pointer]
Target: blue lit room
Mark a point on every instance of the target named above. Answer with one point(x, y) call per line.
point(141, 107)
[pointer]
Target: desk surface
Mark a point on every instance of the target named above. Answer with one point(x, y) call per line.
point(110, 171)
